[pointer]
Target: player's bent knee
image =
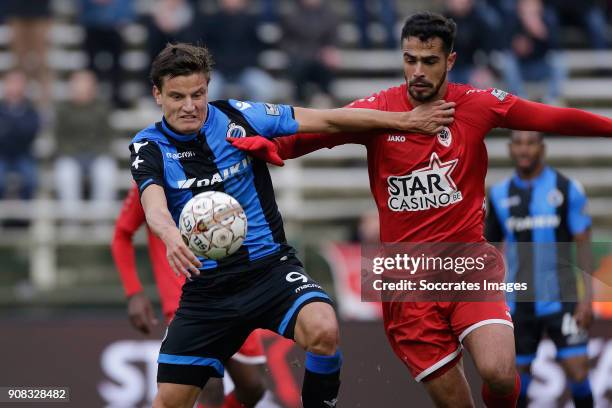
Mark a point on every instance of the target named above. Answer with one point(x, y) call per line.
point(323, 338)
point(317, 329)
point(499, 377)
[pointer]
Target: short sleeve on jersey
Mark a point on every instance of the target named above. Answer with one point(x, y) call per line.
point(578, 220)
point(267, 119)
point(147, 164)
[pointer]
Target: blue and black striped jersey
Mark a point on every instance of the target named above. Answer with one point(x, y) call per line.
point(186, 165)
point(547, 211)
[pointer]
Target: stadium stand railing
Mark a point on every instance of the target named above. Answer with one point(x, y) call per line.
point(325, 186)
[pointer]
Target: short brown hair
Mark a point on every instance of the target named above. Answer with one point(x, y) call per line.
point(180, 59)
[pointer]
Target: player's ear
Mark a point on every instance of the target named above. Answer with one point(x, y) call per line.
point(157, 95)
point(450, 60)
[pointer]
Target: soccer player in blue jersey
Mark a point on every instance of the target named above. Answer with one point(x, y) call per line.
point(262, 285)
point(538, 204)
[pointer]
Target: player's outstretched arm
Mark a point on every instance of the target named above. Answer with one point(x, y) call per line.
point(180, 257)
point(289, 147)
point(429, 119)
point(527, 115)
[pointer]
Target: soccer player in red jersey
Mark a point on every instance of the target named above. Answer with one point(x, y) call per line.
point(429, 336)
point(244, 367)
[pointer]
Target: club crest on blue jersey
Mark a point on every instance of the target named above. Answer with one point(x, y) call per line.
point(234, 130)
point(555, 198)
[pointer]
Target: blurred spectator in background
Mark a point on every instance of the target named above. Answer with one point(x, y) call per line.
point(387, 16)
point(270, 12)
point(103, 21)
point(532, 56)
point(19, 125)
point(310, 41)
point(367, 231)
point(476, 36)
point(169, 21)
point(30, 23)
point(83, 138)
point(345, 262)
point(231, 36)
point(505, 8)
point(585, 13)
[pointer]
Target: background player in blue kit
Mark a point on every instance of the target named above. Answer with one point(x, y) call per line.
point(540, 205)
point(262, 285)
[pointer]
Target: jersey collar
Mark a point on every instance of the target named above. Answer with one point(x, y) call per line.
point(209, 119)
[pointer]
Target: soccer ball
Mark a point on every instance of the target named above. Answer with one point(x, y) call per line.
point(213, 225)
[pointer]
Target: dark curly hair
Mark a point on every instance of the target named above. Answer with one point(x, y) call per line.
point(428, 25)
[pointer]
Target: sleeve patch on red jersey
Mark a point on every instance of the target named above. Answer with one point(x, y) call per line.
point(363, 100)
point(499, 94)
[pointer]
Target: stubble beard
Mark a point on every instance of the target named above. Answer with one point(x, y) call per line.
point(428, 97)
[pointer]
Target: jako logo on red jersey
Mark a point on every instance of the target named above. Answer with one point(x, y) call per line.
point(396, 138)
point(429, 187)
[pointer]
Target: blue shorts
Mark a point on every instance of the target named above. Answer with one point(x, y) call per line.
point(561, 328)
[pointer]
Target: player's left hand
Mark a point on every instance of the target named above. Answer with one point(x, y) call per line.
point(583, 314)
point(259, 147)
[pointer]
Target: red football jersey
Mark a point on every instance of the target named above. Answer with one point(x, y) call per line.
point(426, 188)
point(130, 219)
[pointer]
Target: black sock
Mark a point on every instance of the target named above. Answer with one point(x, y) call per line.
point(583, 402)
point(320, 390)
point(321, 381)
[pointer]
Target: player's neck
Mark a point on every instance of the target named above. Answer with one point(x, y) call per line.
point(169, 127)
point(530, 174)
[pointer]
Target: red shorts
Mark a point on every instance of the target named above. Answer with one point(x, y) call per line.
point(252, 350)
point(427, 336)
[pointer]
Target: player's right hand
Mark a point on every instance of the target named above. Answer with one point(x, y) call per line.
point(181, 259)
point(258, 147)
point(431, 118)
point(141, 314)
